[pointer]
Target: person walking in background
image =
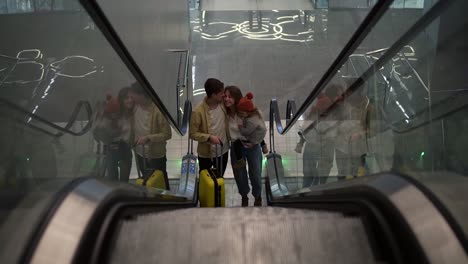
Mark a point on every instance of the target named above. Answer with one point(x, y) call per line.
point(151, 133)
point(252, 131)
point(208, 126)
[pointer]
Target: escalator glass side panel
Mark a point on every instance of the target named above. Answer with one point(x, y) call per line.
point(68, 109)
point(156, 35)
point(404, 113)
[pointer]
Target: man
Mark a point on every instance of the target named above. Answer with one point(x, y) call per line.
point(208, 126)
point(151, 132)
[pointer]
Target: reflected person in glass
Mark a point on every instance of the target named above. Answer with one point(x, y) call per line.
point(113, 129)
point(319, 139)
point(151, 133)
point(350, 144)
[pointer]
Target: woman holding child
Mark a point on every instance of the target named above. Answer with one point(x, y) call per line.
point(247, 130)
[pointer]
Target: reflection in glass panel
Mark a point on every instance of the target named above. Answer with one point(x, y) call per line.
point(70, 108)
point(155, 34)
point(408, 4)
point(409, 117)
point(27, 6)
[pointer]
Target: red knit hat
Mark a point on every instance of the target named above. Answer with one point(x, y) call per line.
point(245, 103)
point(112, 105)
point(323, 102)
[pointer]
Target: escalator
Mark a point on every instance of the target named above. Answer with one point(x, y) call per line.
point(383, 205)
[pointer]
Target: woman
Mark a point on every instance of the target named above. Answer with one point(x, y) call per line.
point(114, 129)
point(252, 153)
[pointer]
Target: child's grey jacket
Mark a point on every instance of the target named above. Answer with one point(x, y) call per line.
point(253, 129)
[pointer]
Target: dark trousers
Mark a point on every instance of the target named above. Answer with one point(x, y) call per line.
point(206, 163)
point(237, 147)
point(147, 168)
point(119, 161)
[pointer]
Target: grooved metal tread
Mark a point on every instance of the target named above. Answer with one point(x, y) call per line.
point(242, 235)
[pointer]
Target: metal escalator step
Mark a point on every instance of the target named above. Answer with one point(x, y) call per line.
point(242, 235)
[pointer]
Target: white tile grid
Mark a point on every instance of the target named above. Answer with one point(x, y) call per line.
point(176, 149)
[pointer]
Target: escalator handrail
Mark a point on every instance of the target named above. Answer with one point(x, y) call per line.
point(74, 116)
point(383, 191)
point(395, 128)
point(275, 119)
point(102, 22)
point(62, 130)
point(356, 39)
point(418, 76)
point(422, 23)
point(186, 117)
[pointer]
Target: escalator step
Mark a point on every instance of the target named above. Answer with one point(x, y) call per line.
point(242, 235)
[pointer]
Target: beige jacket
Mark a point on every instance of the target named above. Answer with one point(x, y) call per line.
point(200, 128)
point(160, 133)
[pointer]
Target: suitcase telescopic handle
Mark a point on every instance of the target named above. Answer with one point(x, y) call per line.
point(190, 146)
point(144, 159)
point(218, 166)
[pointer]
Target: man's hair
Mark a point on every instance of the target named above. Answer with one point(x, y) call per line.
point(136, 88)
point(213, 86)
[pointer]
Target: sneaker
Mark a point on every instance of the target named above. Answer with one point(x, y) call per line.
point(258, 201)
point(245, 201)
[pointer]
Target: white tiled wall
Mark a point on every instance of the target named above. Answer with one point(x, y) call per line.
point(79, 152)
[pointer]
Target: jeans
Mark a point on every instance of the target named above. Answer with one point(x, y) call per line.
point(119, 161)
point(317, 162)
point(347, 164)
point(254, 160)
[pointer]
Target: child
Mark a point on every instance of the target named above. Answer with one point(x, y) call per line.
point(252, 127)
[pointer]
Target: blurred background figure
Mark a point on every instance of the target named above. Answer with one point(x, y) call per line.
point(319, 139)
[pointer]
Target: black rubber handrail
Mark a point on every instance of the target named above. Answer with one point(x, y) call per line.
point(184, 81)
point(102, 22)
point(422, 23)
point(186, 117)
point(276, 119)
point(62, 130)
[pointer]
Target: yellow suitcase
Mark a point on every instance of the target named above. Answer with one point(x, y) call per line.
point(211, 190)
point(155, 180)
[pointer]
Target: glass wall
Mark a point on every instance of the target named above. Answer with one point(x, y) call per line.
point(407, 116)
point(69, 108)
point(366, 3)
point(27, 6)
